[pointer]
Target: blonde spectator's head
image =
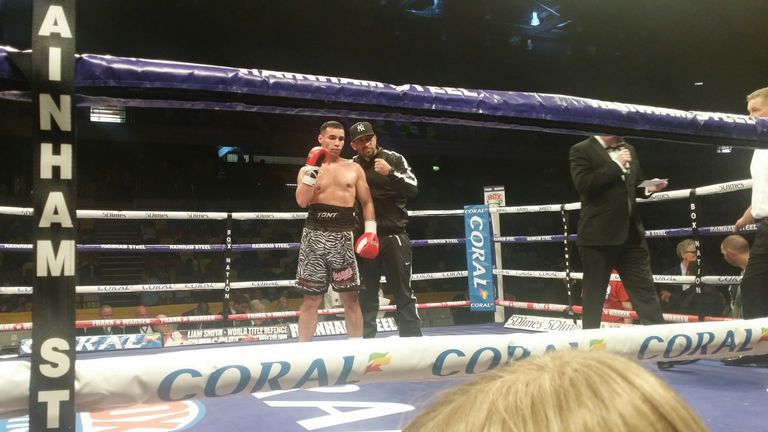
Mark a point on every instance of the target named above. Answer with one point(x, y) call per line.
point(759, 93)
point(757, 103)
point(575, 391)
point(736, 243)
point(735, 250)
point(686, 250)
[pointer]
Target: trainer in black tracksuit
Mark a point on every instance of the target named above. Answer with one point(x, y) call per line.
point(391, 182)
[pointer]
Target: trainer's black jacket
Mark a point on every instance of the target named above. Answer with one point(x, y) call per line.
point(391, 192)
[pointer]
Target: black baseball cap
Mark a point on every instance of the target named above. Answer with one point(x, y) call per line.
point(360, 130)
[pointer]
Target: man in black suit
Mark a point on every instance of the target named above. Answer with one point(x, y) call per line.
point(141, 313)
point(683, 298)
point(105, 313)
point(201, 309)
point(606, 173)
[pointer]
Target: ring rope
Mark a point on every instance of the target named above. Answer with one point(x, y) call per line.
point(732, 186)
point(540, 274)
point(120, 322)
point(545, 307)
point(245, 247)
point(550, 307)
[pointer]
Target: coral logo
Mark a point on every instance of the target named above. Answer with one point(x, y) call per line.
point(376, 361)
point(161, 417)
point(597, 345)
point(764, 337)
point(483, 293)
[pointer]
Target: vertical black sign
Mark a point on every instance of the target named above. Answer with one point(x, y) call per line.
point(695, 212)
point(567, 255)
point(227, 267)
point(51, 391)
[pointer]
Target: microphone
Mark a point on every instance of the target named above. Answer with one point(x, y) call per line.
point(622, 146)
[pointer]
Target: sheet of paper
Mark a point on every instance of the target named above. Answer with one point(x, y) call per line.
point(651, 183)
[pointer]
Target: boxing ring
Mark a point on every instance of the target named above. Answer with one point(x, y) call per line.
point(205, 384)
point(278, 368)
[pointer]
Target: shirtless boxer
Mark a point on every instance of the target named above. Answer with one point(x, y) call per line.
point(329, 185)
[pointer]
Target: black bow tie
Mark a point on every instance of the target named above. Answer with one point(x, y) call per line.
point(612, 148)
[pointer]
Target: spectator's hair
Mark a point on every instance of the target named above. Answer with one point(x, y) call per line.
point(202, 308)
point(141, 305)
point(736, 244)
point(331, 124)
point(571, 390)
point(103, 307)
point(682, 246)
point(240, 298)
point(257, 306)
point(763, 92)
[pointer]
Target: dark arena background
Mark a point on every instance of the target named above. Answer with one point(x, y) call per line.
point(688, 55)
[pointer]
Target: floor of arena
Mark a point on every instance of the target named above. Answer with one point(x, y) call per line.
point(727, 399)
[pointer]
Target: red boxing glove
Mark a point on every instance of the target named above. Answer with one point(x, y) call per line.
point(367, 245)
point(315, 158)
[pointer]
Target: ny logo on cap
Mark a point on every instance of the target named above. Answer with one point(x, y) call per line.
point(360, 127)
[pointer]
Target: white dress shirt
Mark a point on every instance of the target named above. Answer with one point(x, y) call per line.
point(759, 171)
point(612, 154)
point(683, 271)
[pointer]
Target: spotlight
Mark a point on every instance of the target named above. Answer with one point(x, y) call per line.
point(535, 19)
point(108, 114)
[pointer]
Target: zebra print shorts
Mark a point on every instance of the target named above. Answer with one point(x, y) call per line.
point(326, 257)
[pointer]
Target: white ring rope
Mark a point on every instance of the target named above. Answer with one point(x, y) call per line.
point(662, 279)
point(719, 188)
point(245, 247)
point(101, 289)
point(560, 308)
point(540, 274)
point(128, 322)
point(545, 307)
